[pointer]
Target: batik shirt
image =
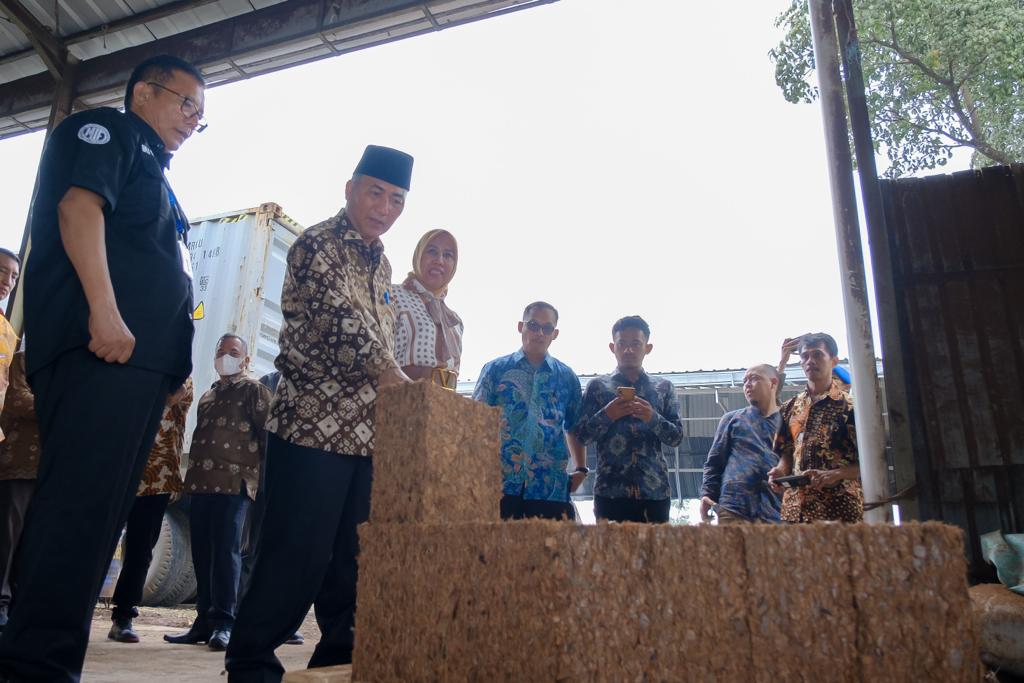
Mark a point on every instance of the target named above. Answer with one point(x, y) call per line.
point(630, 463)
point(163, 469)
point(229, 438)
point(820, 436)
point(19, 451)
point(539, 406)
point(736, 471)
point(338, 337)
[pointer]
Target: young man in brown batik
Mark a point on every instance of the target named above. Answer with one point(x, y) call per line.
point(818, 438)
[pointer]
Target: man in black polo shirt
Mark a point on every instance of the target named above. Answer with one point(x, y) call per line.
point(108, 302)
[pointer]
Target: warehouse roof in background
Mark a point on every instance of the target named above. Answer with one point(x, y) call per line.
point(100, 41)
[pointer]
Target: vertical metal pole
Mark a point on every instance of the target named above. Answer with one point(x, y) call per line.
point(893, 332)
point(63, 101)
point(870, 431)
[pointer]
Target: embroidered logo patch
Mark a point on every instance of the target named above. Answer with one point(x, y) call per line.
point(94, 134)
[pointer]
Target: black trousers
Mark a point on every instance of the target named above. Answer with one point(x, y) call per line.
point(251, 536)
point(632, 510)
point(306, 556)
point(15, 495)
point(97, 423)
point(216, 521)
point(141, 534)
point(515, 507)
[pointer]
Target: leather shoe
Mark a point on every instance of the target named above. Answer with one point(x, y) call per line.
point(189, 637)
point(121, 631)
point(219, 640)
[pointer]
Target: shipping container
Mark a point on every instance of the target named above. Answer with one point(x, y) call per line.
point(238, 261)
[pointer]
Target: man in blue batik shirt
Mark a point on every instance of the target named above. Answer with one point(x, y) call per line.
point(736, 471)
point(540, 400)
point(631, 416)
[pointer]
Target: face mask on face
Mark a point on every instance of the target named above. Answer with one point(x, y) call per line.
point(228, 365)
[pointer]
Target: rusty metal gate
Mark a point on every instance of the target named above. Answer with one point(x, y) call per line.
point(950, 277)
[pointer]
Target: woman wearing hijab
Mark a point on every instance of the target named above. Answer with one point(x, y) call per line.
point(428, 334)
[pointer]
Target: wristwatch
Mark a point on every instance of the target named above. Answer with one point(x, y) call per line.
point(584, 470)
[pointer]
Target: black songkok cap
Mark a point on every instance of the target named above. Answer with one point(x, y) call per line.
point(389, 165)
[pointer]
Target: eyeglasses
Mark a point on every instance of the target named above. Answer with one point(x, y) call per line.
point(188, 107)
point(546, 328)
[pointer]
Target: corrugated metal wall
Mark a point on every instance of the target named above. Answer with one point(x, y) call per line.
point(955, 246)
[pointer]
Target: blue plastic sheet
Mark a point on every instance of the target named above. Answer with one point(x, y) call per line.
point(1006, 552)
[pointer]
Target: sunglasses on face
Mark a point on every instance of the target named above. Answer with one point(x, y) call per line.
point(534, 326)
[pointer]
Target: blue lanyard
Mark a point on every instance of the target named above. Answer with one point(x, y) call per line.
point(179, 219)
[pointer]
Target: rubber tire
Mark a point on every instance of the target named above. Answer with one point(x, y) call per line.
point(171, 578)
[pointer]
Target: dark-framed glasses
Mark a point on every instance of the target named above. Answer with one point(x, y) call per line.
point(188, 108)
point(534, 326)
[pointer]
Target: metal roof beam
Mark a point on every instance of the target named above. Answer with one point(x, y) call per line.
point(131, 21)
point(272, 26)
point(52, 51)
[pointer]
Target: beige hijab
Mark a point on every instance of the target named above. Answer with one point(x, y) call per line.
point(417, 258)
point(448, 343)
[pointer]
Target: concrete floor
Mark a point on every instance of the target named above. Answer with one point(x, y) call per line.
point(153, 660)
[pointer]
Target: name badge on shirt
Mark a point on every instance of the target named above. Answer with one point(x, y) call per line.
point(186, 259)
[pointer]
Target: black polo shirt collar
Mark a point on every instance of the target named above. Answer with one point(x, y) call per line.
point(156, 145)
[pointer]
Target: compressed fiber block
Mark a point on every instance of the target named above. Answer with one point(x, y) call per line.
point(327, 674)
point(914, 611)
point(437, 458)
point(799, 602)
point(552, 601)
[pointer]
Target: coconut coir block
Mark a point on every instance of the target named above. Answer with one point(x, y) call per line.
point(437, 457)
point(550, 601)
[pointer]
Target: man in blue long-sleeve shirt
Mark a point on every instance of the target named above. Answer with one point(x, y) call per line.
point(736, 471)
point(630, 416)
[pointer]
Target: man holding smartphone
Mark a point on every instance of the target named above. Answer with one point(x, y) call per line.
point(630, 417)
point(818, 439)
point(540, 401)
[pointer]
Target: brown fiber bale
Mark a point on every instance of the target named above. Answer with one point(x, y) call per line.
point(462, 602)
point(552, 601)
point(437, 456)
point(914, 612)
point(800, 604)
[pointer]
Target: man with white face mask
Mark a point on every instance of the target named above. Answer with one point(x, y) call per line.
point(223, 475)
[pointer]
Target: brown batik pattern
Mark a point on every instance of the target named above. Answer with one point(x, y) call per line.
point(163, 469)
point(337, 338)
point(230, 435)
point(820, 436)
point(19, 451)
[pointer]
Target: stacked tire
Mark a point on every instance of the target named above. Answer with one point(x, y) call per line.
point(171, 579)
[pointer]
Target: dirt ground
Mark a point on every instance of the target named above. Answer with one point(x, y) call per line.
point(152, 658)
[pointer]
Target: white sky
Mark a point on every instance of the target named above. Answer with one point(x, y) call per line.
point(611, 158)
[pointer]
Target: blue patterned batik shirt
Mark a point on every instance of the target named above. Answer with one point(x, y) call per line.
point(736, 471)
point(630, 463)
point(539, 406)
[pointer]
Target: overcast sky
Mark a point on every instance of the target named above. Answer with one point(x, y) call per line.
point(611, 158)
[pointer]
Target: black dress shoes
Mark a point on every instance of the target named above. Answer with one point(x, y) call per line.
point(219, 640)
point(190, 637)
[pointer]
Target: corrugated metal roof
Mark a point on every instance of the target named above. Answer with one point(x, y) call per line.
point(229, 40)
